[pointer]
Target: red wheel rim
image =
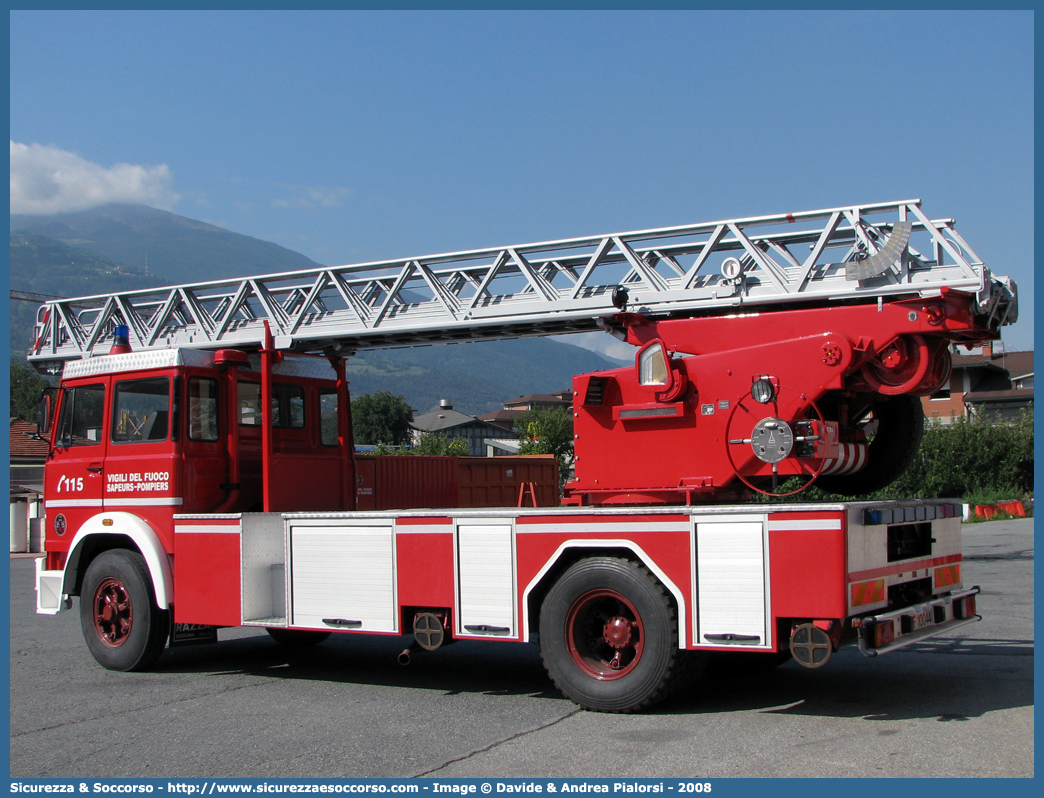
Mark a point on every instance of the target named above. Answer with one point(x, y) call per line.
point(112, 612)
point(604, 634)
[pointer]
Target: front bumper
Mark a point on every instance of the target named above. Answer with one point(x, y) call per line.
point(50, 590)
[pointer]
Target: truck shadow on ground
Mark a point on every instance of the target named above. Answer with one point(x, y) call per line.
point(507, 669)
point(948, 680)
point(924, 683)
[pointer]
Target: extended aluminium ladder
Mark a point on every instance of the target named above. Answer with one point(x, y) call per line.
point(858, 253)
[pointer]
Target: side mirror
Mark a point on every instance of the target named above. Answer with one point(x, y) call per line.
point(44, 412)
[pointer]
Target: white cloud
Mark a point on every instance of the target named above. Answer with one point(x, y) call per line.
point(312, 197)
point(600, 342)
point(45, 179)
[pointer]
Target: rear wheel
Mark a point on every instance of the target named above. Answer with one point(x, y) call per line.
point(892, 450)
point(297, 638)
point(123, 627)
point(608, 636)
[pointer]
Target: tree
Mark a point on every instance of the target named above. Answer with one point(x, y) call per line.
point(547, 431)
point(26, 387)
point(981, 460)
point(431, 443)
point(381, 417)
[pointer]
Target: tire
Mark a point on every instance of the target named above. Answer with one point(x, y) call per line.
point(123, 627)
point(609, 636)
point(297, 638)
point(890, 453)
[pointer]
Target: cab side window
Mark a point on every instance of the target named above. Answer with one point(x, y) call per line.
point(328, 417)
point(80, 423)
point(203, 409)
point(249, 404)
point(140, 410)
point(288, 405)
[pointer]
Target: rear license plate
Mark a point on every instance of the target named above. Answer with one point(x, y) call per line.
point(921, 619)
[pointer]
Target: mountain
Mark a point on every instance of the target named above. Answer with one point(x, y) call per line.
point(172, 247)
point(46, 266)
point(109, 248)
point(42, 265)
point(477, 377)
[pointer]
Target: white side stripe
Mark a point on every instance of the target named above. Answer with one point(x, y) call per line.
point(806, 526)
point(162, 501)
point(604, 528)
point(207, 529)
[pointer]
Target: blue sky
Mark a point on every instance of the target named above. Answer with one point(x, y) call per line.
point(355, 136)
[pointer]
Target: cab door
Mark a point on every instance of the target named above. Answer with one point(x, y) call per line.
point(74, 479)
point(140, 473)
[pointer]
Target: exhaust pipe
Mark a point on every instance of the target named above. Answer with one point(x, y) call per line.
point(407, 654)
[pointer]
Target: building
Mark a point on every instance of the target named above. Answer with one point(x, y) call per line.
point(28, 456)
point(989, 382)
point(444, 420)
point(511, 411)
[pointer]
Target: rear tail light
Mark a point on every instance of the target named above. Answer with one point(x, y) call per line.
point(965, 608)
point(884, 633)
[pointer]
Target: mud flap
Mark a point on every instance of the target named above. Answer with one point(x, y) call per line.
point(191, 634)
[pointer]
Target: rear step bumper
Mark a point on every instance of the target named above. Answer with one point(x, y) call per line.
point(914, 623)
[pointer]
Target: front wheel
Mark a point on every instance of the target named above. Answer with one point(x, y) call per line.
point(608, 636)
point(123, 627)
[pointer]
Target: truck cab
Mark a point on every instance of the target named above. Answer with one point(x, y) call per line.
point(181, 431)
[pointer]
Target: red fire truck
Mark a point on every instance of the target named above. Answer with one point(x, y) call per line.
point(202, 471)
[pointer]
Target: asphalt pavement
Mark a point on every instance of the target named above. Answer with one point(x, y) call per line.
point(960, 705)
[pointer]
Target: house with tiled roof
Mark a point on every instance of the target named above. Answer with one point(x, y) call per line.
point(503, 418)
point(28, 456)
point(990, 382)
point(444, 420)
point(512, 410)
point(540, 400)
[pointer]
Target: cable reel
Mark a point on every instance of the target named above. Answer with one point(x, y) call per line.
point(773, 440)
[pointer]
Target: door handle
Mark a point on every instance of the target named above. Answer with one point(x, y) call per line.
point(94, 469)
